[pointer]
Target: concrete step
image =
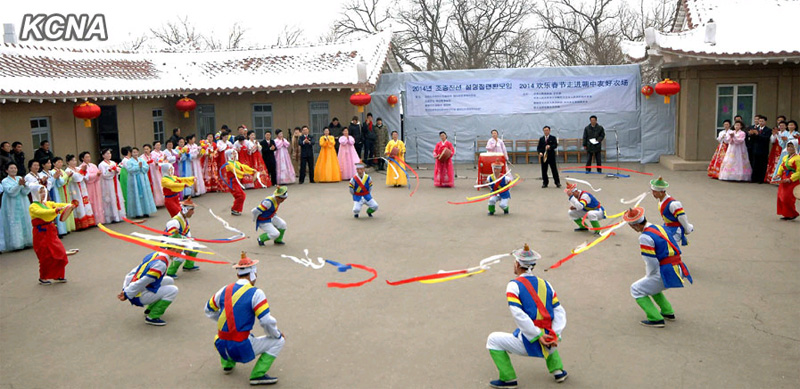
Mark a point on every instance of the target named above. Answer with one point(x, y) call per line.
point(675, 163)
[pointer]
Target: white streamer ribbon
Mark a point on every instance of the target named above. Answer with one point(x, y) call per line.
point(307, 262)
point(183, 242)
point(493, 182)
point(587, 183)
point(239, 234)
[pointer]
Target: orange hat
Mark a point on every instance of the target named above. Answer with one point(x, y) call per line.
point(634, 215)
point(245, 262)
point(188, 204)
point(571, 187)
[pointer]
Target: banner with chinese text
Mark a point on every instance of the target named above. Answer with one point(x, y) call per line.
point(615, 93)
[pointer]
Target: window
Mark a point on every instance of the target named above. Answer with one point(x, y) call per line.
point(735, 100)
point(158, 125)
point(205, 120)
point(262, 119)
point(318, 117)
point(40, 130)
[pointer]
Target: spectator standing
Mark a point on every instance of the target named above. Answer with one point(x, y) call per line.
point(547, 157)
point(19, 158)
point(268, 153)
point(306, 142)
point(761, 135)
point(336, 131)
point(370, 140)
point(355, 131)
point(383, 139)
point(593, 136)
point(43, 152)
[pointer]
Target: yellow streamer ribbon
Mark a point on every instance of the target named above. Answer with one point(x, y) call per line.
point(495, 192)
point(150, 242)
point(436, 281)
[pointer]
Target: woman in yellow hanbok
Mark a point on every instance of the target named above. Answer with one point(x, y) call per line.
point(327, 167)
point(397, 150)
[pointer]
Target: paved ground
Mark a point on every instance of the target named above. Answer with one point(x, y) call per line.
point(737, 325)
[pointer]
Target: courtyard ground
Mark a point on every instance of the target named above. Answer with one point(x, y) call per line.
point(737, 325)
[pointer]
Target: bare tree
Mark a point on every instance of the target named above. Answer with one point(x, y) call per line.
point(290, 36)
point(234, 41)
point(421, 42)
point(135, 44)
point(179, 33)
point(362, 16)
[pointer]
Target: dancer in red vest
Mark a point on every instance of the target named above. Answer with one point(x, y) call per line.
point(234, 173)
point(172, 187)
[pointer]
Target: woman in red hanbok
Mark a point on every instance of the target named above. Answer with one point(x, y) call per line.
point(210, 167)
point(443, 174)
point(244, 157)
point(719, 155)
point(775, 151)
point(254, 151)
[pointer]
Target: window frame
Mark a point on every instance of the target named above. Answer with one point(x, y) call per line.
point(263, 113)
point(37, 131)
point(156, 120)
point(735, 103)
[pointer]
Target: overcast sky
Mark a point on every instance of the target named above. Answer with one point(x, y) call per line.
point(263, 19)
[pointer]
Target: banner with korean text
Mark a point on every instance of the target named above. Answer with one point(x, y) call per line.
point(608, 93)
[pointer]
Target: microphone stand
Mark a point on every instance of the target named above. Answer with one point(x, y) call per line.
point(616, 140)
point(455, 145)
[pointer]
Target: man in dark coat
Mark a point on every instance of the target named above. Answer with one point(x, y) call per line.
point(761, 134)
point(19, 158)
point(593, 136)
point(370, 139)
point(268, 153)
point(547, 157)
point(355, 131)
point(336, 131)
point(306, 142)
point(43, 152)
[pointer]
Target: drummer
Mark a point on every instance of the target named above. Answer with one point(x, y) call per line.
point(496, 145)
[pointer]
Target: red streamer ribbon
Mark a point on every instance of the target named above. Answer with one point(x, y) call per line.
point(124, 238)
point(583, 222)
point(356, 284)
point(164, 233)
point(426, 277)
point(412, 171)
point(573, 255)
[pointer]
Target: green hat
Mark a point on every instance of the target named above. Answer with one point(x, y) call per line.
point(281, 191)
point(659, 184)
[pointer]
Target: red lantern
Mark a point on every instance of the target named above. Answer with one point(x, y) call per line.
point(667, 88)
point(360, 99)
point(86, 111)
point(647, 91)
point(186, 105)
point(392, 100)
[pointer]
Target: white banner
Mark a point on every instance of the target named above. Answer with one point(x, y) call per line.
point(616, 93)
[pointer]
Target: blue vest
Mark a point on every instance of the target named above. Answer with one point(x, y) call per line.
point(143, 270)
point(237, 346)
point(499, 184)
point(267, 213)
point(360, 192)
point(530, 308)
point(668, 253)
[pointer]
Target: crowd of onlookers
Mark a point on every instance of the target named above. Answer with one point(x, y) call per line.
point(106, 191)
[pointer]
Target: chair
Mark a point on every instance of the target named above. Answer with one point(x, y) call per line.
point(520, 150)
point(530, 150)
point(480, 148)
point(571, 146)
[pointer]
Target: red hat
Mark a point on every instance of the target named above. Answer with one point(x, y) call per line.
point(245, 262)
point(634, 215)
point(571, 187)
point(187, 203)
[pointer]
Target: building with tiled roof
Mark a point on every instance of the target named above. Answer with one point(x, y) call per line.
point(731, 57)
point(264, 89)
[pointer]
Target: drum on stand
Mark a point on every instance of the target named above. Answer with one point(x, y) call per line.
point(485, 161)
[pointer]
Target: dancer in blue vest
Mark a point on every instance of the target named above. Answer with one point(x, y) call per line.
point(266, 220)
point(178, 227)
point(675, 220)
point(664, 268)
point(235, 308)
point(583, 203)
point(540, 319)
point(498, 181)
point(361, 189)
point(148, 285)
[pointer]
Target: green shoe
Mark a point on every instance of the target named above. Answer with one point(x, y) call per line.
point(279, 239)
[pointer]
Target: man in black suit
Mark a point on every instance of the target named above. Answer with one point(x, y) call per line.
point(268, 153)
point(547, 157)
point(306, 155)
point(761, 134)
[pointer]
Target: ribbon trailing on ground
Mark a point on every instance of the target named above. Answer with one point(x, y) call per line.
point(405, 168)
point(587, 183)
point(492, 182)
point(350, 266)
point(611, 168)
point(320, 263)
point(585, 172)
point(443, 276)
point(239, 236)
point(483, 197)
point(155, 246)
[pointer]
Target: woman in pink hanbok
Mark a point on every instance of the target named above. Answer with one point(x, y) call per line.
point(154, 173)
point(443, 174)
point(283, 160)
point(736, 164)
point(719, 155)
point(348, 157)
point(113, 202)
point(197, 166)
point(92, 179)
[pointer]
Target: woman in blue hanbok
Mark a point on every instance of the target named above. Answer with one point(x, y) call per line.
point(185, 165)
point(140, 200)
point(17, 227)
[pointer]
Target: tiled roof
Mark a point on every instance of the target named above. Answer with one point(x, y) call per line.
point(745, 29)
point(37, 72)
